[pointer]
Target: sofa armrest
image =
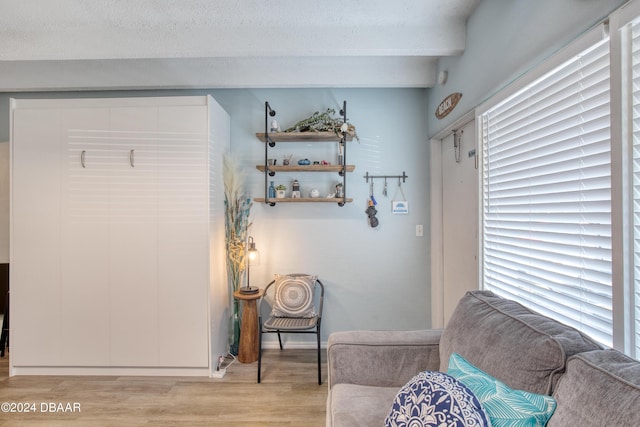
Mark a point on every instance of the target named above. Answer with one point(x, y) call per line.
point(381, 358)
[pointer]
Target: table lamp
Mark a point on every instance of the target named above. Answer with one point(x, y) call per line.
point(253, 258)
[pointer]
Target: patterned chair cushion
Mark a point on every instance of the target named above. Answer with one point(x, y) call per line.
point(436, 399)
point(293, 296)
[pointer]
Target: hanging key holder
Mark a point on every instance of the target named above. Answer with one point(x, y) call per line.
point(399, 207)
point(371, 210)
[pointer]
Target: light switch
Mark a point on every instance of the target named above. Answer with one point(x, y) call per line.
point(419, 230)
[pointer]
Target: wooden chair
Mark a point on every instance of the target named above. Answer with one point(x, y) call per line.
point(289, 324)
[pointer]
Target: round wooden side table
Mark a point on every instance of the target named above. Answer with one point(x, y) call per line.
point(248, 347)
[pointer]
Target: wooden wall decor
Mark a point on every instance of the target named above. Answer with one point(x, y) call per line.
point(447, 105)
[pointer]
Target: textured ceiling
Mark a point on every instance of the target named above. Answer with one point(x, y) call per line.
point(112, 44)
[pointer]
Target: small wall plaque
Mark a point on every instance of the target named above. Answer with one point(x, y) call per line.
point(447, 105)
point(400, 207)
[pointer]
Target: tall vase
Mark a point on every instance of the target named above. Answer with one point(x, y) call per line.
point(235, 280)
point(234, 335)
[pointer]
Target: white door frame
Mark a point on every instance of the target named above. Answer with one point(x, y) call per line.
point(436, 224)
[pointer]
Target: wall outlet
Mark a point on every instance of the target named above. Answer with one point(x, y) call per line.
point(219, 373)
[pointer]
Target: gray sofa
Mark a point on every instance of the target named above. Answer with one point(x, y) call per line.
point(593, 386)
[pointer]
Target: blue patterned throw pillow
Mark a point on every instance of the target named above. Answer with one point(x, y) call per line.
point(506, 407)
point(436, 399)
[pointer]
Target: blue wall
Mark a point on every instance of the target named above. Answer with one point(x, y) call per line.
point(505, 38)
point(374, 278)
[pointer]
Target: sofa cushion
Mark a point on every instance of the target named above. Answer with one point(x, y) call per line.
point(434, 399)
point(600, 388)
point(505, 406)
point(359, 405)
point(381, 358)
point(518, 346)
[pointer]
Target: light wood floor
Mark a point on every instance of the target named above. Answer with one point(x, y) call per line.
point(289, 395)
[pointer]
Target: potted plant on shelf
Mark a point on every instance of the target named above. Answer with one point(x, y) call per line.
point(237, 210)
point(280, 191)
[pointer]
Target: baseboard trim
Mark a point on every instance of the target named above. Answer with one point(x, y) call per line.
point(157, 372)
point(294, 344)
point(109, 371)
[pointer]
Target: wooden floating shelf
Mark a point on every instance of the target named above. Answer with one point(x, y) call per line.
point(304, 200)
point(306, 168)
point(301, 136)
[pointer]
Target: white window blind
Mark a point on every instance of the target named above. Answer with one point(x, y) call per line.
point(547, 194)
point(635, 116)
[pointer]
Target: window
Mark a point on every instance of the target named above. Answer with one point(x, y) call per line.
point(635, 135)
point(546, 239)
point(625, 32)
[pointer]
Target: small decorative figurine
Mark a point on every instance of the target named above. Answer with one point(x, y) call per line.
point(295, 193)
point(275, 127)
point(339, 192)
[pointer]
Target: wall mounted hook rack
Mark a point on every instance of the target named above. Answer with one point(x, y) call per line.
point(403, 177)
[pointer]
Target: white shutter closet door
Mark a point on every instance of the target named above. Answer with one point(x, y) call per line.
point(546, 237)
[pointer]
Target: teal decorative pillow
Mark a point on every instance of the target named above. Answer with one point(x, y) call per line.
point(436, 399)
point(293, 296)
point(505, 406)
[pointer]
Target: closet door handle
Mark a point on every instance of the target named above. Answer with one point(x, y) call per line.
point(82, 162)
point(131, 158)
